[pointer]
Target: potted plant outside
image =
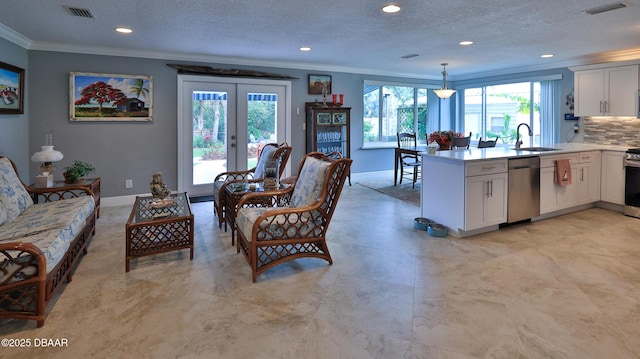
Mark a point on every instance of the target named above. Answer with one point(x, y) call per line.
point(77, 171)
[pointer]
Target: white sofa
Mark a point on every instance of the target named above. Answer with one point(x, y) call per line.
point(40, 244)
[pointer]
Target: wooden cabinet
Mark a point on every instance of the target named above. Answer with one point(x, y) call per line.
point(610, 91)
point(612, 177)
point(486, 194)
point(328, 128)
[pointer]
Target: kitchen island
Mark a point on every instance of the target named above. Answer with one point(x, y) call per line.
point(467, 190)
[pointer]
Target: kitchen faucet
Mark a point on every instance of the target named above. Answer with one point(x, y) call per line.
point(518, 140)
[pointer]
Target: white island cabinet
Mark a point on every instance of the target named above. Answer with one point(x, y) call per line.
point(468, 198)
point(467, 190)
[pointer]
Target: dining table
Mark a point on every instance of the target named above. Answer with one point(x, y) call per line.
point(399, 152)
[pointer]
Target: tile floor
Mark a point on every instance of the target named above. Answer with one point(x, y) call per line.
point(567, 287)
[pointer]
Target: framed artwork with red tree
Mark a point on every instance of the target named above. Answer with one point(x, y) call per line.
point(109, 97)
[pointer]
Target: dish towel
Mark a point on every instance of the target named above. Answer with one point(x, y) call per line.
point(562, 173)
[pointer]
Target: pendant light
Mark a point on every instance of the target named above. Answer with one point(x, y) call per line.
point(444, 92)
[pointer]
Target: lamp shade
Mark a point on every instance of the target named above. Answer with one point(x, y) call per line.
point(444, 93)
point(47, 154)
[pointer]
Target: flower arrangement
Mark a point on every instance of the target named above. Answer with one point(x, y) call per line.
point(443, 138)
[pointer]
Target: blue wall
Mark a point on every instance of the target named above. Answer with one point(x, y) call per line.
point(14, 129)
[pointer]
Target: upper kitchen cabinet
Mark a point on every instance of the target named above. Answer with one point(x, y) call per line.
point(609, 91)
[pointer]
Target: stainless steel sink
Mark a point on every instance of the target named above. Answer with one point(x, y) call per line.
point(535, 149)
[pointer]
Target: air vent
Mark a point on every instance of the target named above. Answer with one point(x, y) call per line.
point(609, 7)
point(80, 12)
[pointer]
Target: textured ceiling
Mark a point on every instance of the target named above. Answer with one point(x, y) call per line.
point(351, 36)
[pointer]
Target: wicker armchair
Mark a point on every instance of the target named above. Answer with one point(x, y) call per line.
point(269, 151)
point(296, 221)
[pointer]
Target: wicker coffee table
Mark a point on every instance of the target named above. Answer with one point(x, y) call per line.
point(155, 228)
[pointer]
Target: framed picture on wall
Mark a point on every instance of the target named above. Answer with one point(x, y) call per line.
point(318, 83)
point(107, 97)
point(11, 89)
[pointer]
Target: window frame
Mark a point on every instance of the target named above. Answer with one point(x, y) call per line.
point(462, 87)
point(381, 84)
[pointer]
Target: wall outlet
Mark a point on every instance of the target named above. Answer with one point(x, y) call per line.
point(128, 183)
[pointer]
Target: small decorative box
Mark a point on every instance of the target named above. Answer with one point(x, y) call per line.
point(44, 181)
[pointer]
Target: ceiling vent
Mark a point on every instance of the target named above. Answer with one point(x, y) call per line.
point(80, 12)
point(609, 7)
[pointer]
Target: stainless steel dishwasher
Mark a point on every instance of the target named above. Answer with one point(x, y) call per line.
point(524, 189)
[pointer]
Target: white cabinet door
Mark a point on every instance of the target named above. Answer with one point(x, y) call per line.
point(477, 189)
point(588, 184)
point(588, 179)
point(620, 91)
point(610, 91)
point(554, 197)
point(485, 200)
point(495, 210)
point(548, 195)
point(589, 92)
point(568, 195)
point(612, 178)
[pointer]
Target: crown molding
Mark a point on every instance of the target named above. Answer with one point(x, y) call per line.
point(195, 57)
point(18, 39)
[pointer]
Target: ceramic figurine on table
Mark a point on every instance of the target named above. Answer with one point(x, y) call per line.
point(158, 188)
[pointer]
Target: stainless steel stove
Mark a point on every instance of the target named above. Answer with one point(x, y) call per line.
point(632, 183)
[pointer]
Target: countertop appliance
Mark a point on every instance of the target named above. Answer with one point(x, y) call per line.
point(632, 183)
point(524, 189)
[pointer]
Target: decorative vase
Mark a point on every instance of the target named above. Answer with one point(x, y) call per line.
point(444, 147)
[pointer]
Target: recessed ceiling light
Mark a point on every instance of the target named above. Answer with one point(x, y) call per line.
point(305, 48)
point(465, 42)
point(124, 30)
point(546, 55)
point(391, 8)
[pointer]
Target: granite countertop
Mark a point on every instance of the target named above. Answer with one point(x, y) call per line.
point(507, 151)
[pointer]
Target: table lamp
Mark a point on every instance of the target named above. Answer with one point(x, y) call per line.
point(47, 156)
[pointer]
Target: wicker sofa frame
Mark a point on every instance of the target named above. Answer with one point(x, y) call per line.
point(265, 249)
point(28, 298)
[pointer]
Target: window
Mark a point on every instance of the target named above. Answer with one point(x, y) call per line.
point(390, 109)
point(497, 110)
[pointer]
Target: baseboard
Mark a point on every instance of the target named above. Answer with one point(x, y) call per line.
point(119, 200)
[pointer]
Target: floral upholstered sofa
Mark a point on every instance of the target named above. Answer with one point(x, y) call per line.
point(40, 244)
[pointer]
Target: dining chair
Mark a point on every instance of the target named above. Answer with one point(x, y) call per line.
point(486, 144)
point(460, 142)
point(409, 140)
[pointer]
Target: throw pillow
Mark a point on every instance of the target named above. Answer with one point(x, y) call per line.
point(14, 198)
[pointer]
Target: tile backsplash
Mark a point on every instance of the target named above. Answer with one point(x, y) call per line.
point(621, 131)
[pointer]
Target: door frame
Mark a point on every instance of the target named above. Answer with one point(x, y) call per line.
point(229, 80)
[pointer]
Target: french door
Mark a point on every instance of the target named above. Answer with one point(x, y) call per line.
point(222, 125)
